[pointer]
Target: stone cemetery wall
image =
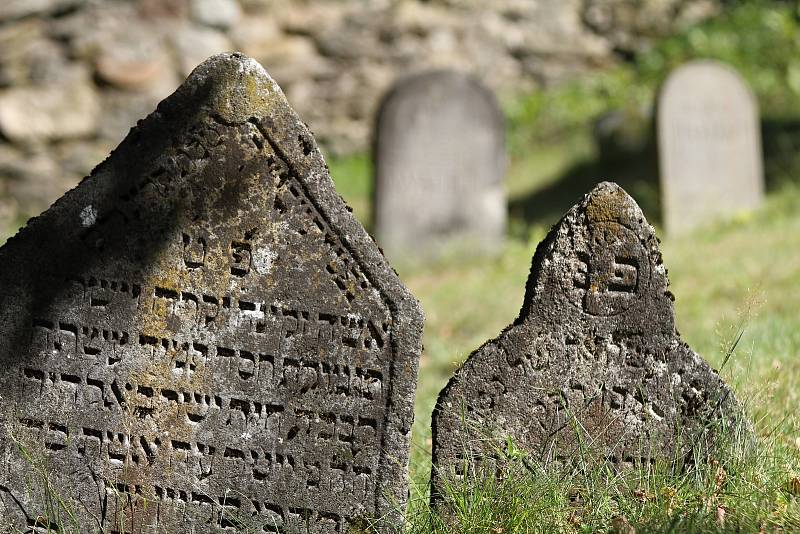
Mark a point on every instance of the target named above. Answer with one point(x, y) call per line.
point(201, 338)
point(75, 75)
point(592, 368)
point(709, 142)
point(440, 160)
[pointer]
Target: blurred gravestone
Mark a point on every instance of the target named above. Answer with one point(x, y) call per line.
point(593, 366)
point(709, 146)
point(200, 337)
point(439, 164)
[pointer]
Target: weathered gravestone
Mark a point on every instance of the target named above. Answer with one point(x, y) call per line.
point(201, 338)
point(709, 146)
point(439, 153)
point(593, 366)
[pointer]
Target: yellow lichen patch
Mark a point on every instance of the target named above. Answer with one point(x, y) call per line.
point(154, 321)
point(610, 205)
point(160, 376)
point(154, 324)
point(217, 274)
point(244, 89)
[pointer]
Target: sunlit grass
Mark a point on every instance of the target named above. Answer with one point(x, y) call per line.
point(737, 280)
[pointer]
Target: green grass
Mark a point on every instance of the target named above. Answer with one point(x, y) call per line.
point(732, 278)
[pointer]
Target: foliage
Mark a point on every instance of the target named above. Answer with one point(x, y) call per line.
point(760, 39)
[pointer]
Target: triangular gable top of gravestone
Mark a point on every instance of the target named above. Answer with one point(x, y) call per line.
point(593, 365)
point(213, 226)
point(600, 267)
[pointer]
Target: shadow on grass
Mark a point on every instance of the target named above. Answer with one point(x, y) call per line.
point(636, 170)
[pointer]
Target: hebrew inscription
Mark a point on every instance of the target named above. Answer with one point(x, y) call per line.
point(223, 349)
point(608, 268)
point(593, 367)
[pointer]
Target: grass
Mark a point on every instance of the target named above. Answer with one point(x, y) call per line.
point(735, 281)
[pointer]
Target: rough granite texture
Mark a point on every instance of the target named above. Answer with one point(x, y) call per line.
point(200, 337)
point(593, 365)
point(440, 160)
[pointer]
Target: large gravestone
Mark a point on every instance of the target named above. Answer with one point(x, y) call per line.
point(439, 154)
point(201, 338)
point(593, 366)
point(709, 146)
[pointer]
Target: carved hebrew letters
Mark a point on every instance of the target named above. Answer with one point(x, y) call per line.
point(607, 271)
point(593, 369)
point(213, 356)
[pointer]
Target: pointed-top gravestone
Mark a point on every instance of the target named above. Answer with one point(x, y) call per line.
point(709, 143)
point(439, 155)
point(201, 338)
point(593, 365)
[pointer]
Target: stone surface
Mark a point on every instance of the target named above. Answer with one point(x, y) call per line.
point(140, 62)
point(439, 166)
point(193, 45)
point(217, 13)
point(709, 141)
point(333, 60)
point(36, 114)
point(511, 45)
point(593, 365)
point(13, 9)
point(201, 338)
point(626, 25)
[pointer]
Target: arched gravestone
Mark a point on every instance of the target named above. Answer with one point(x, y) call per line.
point(709, 146)
point(593, 365)
point(439, 153)
point(201, 338)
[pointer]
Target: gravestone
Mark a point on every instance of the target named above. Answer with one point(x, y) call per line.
point(709, 146)
point(593, 366)
point(201, 338)
point(439, 154)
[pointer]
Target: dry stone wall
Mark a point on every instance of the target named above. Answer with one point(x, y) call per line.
point(75, 75)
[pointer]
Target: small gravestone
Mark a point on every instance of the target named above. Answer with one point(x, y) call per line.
point(593, 366)
point(201, 338)
point(709, 146)
point(439, 155)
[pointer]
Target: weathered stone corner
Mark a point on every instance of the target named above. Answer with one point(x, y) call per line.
point(234, 86)
point(592, 365)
